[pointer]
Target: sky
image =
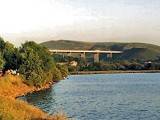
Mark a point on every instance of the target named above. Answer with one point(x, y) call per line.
point(82, 20)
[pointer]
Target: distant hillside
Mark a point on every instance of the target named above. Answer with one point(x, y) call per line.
point(141, 51)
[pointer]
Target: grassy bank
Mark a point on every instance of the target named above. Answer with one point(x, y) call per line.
point(14, 109)
point(115, 72)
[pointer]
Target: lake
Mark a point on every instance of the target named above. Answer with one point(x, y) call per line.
point(103, 97)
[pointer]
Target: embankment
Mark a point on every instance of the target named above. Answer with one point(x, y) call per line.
point(14, 109)
point(115, 72)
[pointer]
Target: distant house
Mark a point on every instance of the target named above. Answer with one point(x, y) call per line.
point(148, 64)
point(73, 63)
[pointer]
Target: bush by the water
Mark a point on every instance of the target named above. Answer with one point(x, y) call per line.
point(33, 61)
point(63, 69)
point(37, 67)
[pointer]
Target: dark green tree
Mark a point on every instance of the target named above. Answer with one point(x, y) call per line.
point(38, 67)
point(31, 67)
point(2, 62)
point(64, 70)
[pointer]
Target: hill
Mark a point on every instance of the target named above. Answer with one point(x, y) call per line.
point(141, 51)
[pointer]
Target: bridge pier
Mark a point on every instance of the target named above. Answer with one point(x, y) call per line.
point(83, 52)
point(63, 56)
point(83, 55)
point(96, 57)
point(110, 55)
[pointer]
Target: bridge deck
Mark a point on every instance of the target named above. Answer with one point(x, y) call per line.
point(84, 51)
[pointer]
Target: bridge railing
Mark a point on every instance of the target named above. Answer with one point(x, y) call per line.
point(84, 51)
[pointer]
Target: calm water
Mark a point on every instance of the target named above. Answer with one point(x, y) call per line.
point(103, 97)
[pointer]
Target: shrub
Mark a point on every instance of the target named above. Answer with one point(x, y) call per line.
point(33, 61)
point(38, 66)
point(63, 69)
point(56, 75)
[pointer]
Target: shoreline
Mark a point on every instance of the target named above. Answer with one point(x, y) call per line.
point(17, 88)
point(114, 72)
point(34, 89)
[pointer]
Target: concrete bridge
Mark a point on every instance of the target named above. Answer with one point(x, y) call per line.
point(83, 52)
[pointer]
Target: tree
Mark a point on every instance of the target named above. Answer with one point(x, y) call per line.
point(57, 75)
point(31, 67)
point(63, 69)
point(2, 62)
point(38, 67)
point(33, 61)
point(11, 56)
point(2, 44)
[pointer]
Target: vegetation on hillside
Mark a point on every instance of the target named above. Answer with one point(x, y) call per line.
point(110, 64)
point(131, 51)
point(135, 56)
point(37, 70)
point(33, 61)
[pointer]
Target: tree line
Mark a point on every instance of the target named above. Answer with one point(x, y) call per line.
point(110, 64)
point(33, 61)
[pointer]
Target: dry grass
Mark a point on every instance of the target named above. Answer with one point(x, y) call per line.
point(12, 86)
point(13, 109)
point(59, 116)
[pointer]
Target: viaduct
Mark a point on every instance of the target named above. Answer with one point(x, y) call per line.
point(83, 52)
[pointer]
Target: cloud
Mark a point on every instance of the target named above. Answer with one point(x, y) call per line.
point(99, 20)
point(28, 15)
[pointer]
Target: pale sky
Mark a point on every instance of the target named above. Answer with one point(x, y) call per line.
point(86, 20)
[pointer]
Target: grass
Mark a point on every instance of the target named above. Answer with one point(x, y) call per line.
point(14, 109)
point(13, 86)
point(11, 109)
